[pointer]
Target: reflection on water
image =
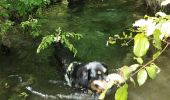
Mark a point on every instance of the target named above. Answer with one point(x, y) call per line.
point(95, 20)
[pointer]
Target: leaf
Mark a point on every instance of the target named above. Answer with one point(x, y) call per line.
point(142, 77)
point(165, 2)
point(65, 39)
point(121, 93)
point(139, 60)
point(125, 72)
point(156, 55)
point(102, 95)
point(133, 81)
point(111, 40)
point(152, 71)
point(134, 67)
point(109, 85)
point(141, 45)
point(157, 41)
point(46, 41)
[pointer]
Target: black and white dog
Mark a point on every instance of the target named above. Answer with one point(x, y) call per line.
point(77, 73)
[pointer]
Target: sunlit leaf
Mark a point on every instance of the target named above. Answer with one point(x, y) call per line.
point(157, 41)
point(162, 14)
point(141, 45)
point(46, 41)
point(142, 77)
point(109, 85)
point(102, 95)
point(165, 2)
point(111, 40)
point(139, 60)
point(116, 36)
point(165, 30)
point(133, 81)
point(152, 71)
point(134, 67)
point(121, 93)
point(125, 71)
point(156, 55)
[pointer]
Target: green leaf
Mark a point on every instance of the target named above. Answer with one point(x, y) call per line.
point(157, 41)
point(141, 45)
point(142, 77)
point(121, 93)
point(102, 95)
point(46, 41)
point(152, 71)
point(125, 70)
point(156, 55)
point(133, 81)
point(109, 85)
point(133, 67)
point(139, 60)
point(111, 40)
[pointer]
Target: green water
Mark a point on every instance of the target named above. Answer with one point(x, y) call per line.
point(96, 21)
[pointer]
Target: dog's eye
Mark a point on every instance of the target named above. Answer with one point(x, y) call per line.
point(97, 86)
point(99, 72)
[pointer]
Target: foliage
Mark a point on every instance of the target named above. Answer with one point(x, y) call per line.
point(141, 45)
point(121, 93)
point(5, 26)
point(152, 71)
point(18, 96)
point(149, 32)
point(31, 26)
point(22, 7)
point(20, 14)
point(46, 41)
point(142, 77)
point(59, 36)
point(14, 12)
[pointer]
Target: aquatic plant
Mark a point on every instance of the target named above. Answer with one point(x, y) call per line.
point(146, 34)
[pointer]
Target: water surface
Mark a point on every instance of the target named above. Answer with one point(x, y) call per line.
point(96, 20)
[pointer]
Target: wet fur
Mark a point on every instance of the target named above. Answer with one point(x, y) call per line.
point(83, 73)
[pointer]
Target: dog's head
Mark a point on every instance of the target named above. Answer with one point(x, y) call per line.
point(96, 70)
point(90, 72)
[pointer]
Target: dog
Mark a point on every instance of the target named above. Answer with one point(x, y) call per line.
point(80, 74)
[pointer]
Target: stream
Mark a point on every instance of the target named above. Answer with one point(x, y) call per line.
point(27, 75)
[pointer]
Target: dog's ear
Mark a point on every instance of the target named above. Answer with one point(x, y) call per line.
point(105, 67)
point(92, 73)
point(82, 77)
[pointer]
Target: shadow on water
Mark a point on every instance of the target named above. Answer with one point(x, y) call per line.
point(96, 20)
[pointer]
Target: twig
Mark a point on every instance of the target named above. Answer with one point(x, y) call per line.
point(150, 60)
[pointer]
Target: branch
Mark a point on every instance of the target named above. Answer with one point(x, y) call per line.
point(151, 60)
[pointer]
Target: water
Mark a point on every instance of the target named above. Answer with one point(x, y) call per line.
point(157, 89)
point(96, 20)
